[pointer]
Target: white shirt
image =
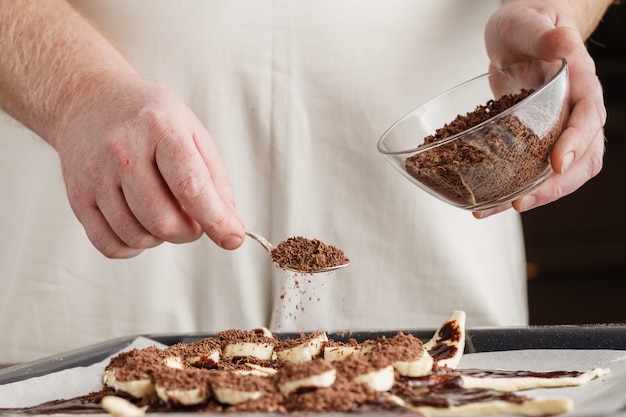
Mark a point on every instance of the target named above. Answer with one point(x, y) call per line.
point(296, 94)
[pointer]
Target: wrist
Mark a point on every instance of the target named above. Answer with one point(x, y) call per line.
point(586, 14)
point(100, 101)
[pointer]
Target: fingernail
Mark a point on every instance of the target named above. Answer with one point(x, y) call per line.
point(567, 160)
point(482, 214)
point(527, 202)
point(231, 242)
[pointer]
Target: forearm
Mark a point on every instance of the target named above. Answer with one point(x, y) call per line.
point(53, 63)
point(587, 14)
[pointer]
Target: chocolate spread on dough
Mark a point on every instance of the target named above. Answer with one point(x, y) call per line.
point(442, 390)
point(498, 373)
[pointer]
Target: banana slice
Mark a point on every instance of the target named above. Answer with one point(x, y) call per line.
point(240, 343)
point(121, 407)
point(204, 353)
point(185, 397)
point(406, 353)
point(418, 367)
point(182, 387)
point(249, 366)
point(373, 369)
point(260, 369)
point(232, 388)
point(303, 349)
point(232, 396)
point(131, 371)
point(447, 345)
point(175, 362)
point(137, 386)
point(337, 351)
point(297, 376)
point(316, 343)
point(379, 380)
point(251, 349)
point(263, 331)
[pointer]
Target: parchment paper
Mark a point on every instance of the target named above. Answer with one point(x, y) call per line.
point(600, 397)
point(605, 396)
point(69, 383)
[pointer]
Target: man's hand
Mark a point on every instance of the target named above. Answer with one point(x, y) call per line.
point(542, 29)
point(144, 170)
point(139, 167)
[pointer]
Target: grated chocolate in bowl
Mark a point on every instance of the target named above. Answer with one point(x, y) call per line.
point(494, 161)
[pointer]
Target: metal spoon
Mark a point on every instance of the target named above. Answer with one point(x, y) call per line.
point(267, 245)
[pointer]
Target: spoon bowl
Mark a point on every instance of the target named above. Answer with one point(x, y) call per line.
point(269, 247)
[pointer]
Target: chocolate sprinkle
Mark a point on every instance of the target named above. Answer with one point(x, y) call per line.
point(442, 388)
point(307, 255)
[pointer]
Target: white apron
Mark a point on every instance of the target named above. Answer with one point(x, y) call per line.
point(296, 94)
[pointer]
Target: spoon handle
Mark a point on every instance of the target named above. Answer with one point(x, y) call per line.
point(264, 242)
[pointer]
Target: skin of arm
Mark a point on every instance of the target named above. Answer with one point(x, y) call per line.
point(139, 167)
point(551, 30)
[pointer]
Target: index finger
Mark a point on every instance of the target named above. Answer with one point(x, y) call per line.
point(201, 186)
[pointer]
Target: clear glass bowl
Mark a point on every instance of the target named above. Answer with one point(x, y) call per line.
point(486, 163)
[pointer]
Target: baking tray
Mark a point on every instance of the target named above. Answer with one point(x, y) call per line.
point(609, 337)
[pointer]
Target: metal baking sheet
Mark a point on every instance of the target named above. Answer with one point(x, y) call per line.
point(562, 347)
point(612, 337)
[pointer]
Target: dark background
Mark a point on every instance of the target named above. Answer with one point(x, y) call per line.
point(576, 247)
